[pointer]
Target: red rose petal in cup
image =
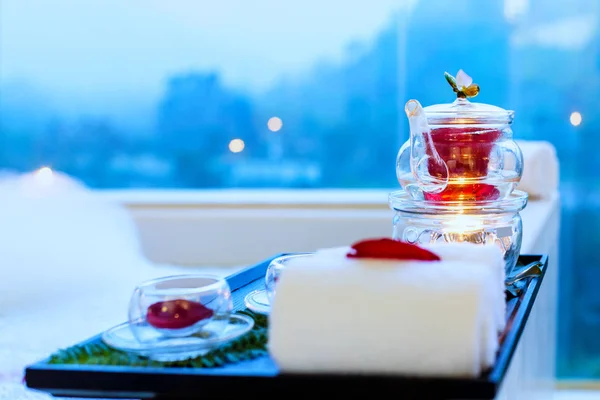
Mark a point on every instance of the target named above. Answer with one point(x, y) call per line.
point(176, 314)
point(390, 249)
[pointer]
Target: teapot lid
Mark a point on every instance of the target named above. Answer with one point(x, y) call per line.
point(462, 111)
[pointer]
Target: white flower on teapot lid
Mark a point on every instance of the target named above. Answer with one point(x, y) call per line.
point(462, 79)
point(462, 85)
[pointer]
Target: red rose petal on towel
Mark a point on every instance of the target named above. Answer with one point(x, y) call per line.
point(176, 314)
point(390, 249)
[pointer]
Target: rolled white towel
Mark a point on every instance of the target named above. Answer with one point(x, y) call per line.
point(488, 256)
point(540, 168)
point(335, 314)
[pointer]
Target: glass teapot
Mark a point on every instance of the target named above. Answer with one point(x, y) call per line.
point(461, 151)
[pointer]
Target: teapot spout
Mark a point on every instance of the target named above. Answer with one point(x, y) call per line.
point(426, 165)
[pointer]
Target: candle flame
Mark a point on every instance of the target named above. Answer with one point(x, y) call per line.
point(465, 223)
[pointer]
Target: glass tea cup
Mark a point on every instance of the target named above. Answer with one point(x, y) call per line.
point(180, 306)
point(275, 269)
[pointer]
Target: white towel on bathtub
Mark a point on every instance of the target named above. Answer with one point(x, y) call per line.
point(334, 314)
point(70, 260)
point(540, 168)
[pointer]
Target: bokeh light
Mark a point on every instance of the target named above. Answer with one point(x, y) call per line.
point(575, 118)
point(236, 145)
point(274, 124)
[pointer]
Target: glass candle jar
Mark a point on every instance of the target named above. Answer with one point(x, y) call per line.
point(181, 305)
point(479, 222)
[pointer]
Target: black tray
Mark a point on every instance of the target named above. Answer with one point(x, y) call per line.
point(260, 378)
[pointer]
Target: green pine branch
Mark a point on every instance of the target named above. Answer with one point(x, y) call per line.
point(248, 347)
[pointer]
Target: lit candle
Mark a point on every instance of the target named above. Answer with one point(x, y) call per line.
point(464, 228)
